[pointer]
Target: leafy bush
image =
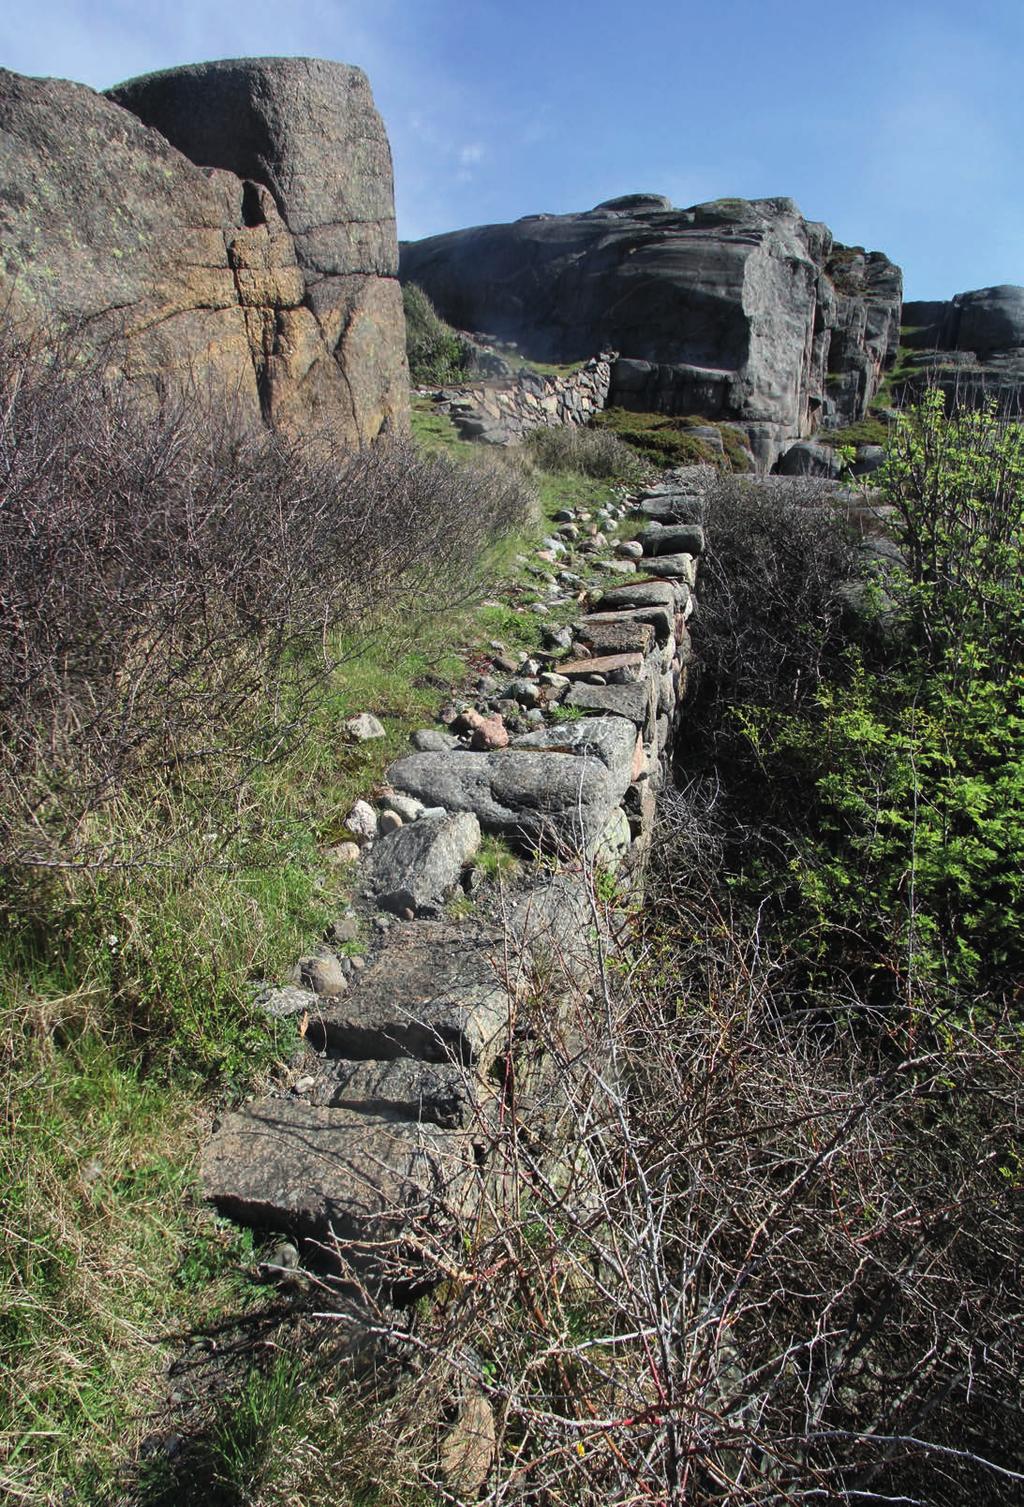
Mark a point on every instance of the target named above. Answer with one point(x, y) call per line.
point(889, 767)
point(437, 354)
point(920, 753)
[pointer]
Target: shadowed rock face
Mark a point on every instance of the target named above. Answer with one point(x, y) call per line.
point(972, 345)
point(245, 245)
point(735, 309)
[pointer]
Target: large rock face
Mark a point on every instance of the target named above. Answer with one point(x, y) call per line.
point(738, 310)
point(246, 250)
point(972, 346)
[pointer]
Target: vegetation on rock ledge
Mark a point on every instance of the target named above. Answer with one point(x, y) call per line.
point(668, 440)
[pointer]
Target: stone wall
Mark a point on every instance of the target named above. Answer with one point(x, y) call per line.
point(387, 1123)
point(502, 412)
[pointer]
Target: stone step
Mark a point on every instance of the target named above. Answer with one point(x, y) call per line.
point(435, 993)
point(441, 1093)
point(283, 1164)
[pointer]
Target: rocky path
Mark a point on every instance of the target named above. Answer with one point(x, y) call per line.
point(383, 1137)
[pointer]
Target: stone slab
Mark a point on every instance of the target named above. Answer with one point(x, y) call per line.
point(626, 636)
point(281, 1163)
point(660, 618)
point(610, 739)
point(629, 701)
point(672, 507)
point(435, 992)
point(441, 1093)
point(415, 868)
point(602, 664)
point(678, 567)
point(550, 932)
point(650, 592)
point(673, 539)
point(531, 796)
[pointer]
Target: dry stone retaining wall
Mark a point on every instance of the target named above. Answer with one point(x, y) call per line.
point(500, 413)
point(384, 1136)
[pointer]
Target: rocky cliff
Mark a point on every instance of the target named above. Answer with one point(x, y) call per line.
point(227, 227)
point(971, 345)
point(739, 310)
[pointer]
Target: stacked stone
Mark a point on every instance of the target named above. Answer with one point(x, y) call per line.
point(501, 414)
point(385, 1129)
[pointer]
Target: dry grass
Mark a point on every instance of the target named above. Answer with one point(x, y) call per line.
point(728, 1251)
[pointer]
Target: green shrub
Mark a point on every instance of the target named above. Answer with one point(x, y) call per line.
point(924, 794)
point(438, 356)
point(896, 771)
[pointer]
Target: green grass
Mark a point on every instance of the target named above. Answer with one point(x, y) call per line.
point(546, 368)
point(127, 1010)
point(299, 1428)
point(435, 432)
point(568, 489)
point(869, 431)
point(107, 1253)
point(561, 713)
point(496, 859)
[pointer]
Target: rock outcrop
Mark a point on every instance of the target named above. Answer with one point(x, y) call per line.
point(227, 228)
point(972, 346)
point(739, 310)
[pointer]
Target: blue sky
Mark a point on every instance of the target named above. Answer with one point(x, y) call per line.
point(900, 124)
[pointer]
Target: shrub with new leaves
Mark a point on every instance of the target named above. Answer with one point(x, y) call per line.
point(920, 751)
point(892, 763)
point(437, 353)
